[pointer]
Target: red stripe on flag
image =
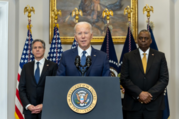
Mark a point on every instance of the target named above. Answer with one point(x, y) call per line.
point(18, 113)
point(17, 95)
point(18, 77)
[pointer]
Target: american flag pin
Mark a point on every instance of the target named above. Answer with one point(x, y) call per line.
point(152, 54)
point(95, 55)
point(47, 65)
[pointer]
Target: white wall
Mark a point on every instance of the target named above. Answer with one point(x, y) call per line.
point(12, 57)
point(4, 5)
point(165, 18)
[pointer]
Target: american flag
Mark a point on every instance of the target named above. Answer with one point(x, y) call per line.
point(26, 57)
point(74, 45)
point(56, 50)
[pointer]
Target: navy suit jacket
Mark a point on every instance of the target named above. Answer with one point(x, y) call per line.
point(99, 66)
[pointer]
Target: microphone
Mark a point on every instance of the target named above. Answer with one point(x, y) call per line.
point(88, 61)
point(77, 61)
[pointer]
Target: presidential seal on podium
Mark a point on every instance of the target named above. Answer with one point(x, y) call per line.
point(82, 98)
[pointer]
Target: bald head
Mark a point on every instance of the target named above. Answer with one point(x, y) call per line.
point(81, 24)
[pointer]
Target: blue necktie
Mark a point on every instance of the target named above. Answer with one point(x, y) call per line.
point(83, 58)
point(37, 73)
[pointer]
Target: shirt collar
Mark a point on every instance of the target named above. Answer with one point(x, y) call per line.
point(141, 52)
point(40, 61)
point(88, 51)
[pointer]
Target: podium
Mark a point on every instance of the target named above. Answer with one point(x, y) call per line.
point(56, 106)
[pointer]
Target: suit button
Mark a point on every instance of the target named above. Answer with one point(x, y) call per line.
point(144, 78)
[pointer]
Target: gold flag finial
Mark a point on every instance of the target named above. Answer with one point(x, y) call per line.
point(128, 11)
point(76, 13)
point(56, 13)
point(148, 8)
point(107, 13)
point(29, 10)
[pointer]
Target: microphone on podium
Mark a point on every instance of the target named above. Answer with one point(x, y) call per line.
point(77, 61)
point(87, 64)
point(88, 61)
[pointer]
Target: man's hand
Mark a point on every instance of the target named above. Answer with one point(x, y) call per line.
point(145, 97)
point(37, 109)
point(31, 108)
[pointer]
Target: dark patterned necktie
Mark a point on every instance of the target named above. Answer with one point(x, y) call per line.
point(37, 73)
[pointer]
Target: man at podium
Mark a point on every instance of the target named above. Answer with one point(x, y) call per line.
point(144, 75)
point(84, 59)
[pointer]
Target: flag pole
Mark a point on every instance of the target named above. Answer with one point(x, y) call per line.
point(56, 25)
point(55, 52)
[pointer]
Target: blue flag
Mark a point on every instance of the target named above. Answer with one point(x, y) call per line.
point(74, 45)
point(153, 45)
point(108, 47)
point(56, 50)
point(129, 45)
point(166, 112)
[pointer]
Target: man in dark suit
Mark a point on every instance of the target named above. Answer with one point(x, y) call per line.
point(144, 75)
point(32, 81)
point(99, 65)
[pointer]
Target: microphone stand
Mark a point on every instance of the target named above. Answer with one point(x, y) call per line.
point(83, 70)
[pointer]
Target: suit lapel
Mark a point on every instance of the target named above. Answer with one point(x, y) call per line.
point(93, 58)
point(45, 68)
point(32, 72)
point(138, 59)
point(150, 59)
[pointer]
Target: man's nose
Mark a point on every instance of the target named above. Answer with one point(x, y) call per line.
point(83, 35)
point(143, 39)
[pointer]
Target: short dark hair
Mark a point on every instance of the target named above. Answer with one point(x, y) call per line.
point(38, 40)
point(144, 30)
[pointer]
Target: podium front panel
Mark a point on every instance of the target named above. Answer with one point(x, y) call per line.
point(108, 105)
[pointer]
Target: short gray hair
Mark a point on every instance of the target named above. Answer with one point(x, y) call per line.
point(38, 40)
point(144, 30)
point(83, 22)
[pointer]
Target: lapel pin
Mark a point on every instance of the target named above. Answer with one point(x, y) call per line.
point(94, 55)
point(47, 65)
point(152, 54)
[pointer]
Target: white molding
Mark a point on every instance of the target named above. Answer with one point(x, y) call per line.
point(4, 58)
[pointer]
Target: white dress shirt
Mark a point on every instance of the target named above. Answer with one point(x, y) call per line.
point(41, 65)
point(88, 51)
point(141, 53)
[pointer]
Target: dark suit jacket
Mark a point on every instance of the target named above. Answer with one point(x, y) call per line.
point(135, 81)
point(99, 66)
point(29, 91)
